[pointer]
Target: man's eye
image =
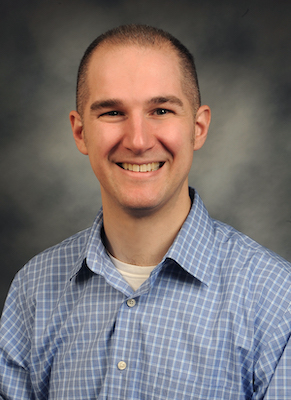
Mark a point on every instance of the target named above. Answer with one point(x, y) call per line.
point(111, 113)
point(162, 111)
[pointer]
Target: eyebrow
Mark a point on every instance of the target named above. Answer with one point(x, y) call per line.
point(158, 100)
point(98, 105)
point(166, 99)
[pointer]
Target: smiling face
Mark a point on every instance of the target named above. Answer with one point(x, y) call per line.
point(138, 128)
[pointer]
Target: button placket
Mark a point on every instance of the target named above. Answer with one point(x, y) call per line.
point(125, 319)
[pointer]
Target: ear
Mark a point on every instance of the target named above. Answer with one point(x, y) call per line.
point(78, 131)
point(202, 122)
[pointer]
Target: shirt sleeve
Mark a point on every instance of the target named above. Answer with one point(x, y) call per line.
point(15, 347)
point(280, 385)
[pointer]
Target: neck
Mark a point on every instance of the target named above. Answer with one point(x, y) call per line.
point(143, 239)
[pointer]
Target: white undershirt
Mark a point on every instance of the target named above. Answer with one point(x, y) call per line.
point(134, 275)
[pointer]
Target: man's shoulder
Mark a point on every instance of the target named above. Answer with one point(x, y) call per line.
point(254, 279)
point(42, 280)
point(70, 246)
point(57, 260)
point(244, 247)
point(225, 243)
point(243, 257)
point(218, 250)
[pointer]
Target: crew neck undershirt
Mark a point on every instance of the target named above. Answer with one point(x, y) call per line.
point(134, 275)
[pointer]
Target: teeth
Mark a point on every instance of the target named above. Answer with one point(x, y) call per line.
point(142, 168)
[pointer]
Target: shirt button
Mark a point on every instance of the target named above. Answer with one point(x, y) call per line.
point(121, 365)
point(131, 303)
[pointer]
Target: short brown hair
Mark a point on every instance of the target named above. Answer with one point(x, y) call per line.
point(140, 35)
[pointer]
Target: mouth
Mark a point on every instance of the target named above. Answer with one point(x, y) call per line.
point(154, 166)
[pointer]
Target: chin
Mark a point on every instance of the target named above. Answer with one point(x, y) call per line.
point(142, 205)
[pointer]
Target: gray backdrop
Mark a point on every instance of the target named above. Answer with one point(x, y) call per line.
point(242, 51)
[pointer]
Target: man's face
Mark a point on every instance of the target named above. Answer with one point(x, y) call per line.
point(138, 128)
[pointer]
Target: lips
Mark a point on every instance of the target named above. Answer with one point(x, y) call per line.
point(149, 167)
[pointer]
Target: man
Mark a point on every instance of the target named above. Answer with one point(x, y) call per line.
point(156, 300)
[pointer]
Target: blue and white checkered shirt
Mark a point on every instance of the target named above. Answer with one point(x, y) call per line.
point(211, 322)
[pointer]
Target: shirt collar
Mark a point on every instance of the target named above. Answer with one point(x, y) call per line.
point(191, 249)
point(93, 249)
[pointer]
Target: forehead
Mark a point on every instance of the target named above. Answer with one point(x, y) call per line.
point(135, 70)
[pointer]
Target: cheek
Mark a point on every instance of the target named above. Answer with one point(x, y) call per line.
point(98, 142)
point(179, 141)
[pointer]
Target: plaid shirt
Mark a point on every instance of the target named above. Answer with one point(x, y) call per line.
point(211, 322)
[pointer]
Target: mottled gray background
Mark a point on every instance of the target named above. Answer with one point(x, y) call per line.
point(242, 51)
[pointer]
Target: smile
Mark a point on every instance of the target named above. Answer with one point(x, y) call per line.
point(154, 166)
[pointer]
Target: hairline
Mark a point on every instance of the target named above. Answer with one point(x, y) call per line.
point(188, 75)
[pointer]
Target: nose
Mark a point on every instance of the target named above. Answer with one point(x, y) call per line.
point(138, 135)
